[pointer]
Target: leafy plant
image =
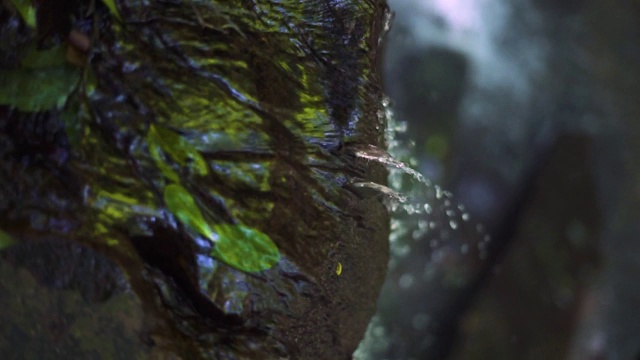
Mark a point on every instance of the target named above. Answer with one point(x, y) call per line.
point(43, 82)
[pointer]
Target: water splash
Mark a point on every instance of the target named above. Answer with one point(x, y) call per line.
point(416, 194)
point(432, 235)
point(420, 208)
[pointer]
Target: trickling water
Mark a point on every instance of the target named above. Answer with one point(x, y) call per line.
point(416, 195)
point(373, 153)
point(409, 192)
point(391, 194)
point(431, 234)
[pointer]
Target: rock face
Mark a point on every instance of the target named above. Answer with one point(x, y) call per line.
point(177, 181)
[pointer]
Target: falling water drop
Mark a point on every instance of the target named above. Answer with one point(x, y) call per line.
point(453, 224)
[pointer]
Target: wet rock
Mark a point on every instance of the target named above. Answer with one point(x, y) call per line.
point(188, 180)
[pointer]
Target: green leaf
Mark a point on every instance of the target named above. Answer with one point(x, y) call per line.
point(6, 240)
point(44, 81)
point(155, 150)
point(111, 4)
point(238, 246)
point(37, 89)
point(41, 59)
point(245, 248)
point(184, 208)
point(176, 146)
point(27, 12)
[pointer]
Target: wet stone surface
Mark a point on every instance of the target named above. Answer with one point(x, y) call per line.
point(183, 168)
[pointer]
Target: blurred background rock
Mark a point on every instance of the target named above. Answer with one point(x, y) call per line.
point(527, 111)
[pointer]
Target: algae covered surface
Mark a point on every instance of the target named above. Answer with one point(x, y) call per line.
point(180, 167)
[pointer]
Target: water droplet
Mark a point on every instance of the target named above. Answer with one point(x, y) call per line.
point(395, 224)
point(433, 243)
point(408, 209)
point(464, 249)
point(428, 208)
point(401, 126)
point(393, 262)
point(378, 331)
point(402, 250)
point(453, 224)
point(420, 321)
point(437, 256)
point(406, 281)
point(465, 217)
point(429, 272)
